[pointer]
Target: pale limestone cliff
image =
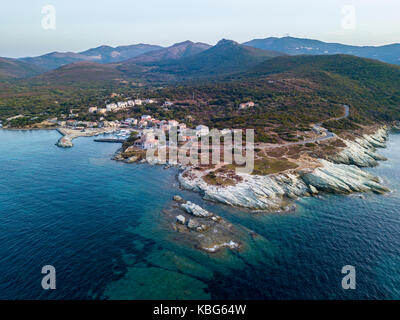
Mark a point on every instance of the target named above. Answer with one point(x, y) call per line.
point(362, 151)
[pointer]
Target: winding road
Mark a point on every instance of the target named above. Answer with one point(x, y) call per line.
point(317, 128)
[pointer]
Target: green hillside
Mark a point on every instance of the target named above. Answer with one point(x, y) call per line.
point(227, 57)
point(80, 72)
point(290, 92)
point(13, 68)
point(372, 87)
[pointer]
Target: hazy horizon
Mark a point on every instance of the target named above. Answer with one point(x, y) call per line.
point(84, 25)
point(99, 45)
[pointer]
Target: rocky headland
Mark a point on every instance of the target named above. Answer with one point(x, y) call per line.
point(339, 173)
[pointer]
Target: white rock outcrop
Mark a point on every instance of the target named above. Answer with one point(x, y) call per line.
point(195, 210)
point(65, 142)
point(341, 178)
point(254, 192)
point(181, 219)
point(231, 244)
point(362, 151)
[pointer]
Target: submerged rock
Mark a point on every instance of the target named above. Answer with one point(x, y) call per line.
point(193, 224)
point(178, 199)
point(204, 229)
point(216, 218)
point(231, 244)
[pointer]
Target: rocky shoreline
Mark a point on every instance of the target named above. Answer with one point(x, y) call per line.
point(339, 174)
point(203, 229)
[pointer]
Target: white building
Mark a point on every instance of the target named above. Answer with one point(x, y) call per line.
point(131, 121)
point(173, 123)
point(246, 105)
point(165, 127)
point(202, 130)
point(111, 107)
point(168, 104)
point(147, 141)
point(122, 105)
point(146, 117)
point(143, 123)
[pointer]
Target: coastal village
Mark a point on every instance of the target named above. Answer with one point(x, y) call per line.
point(321, 162)
point(303, 162)
point(144, 127)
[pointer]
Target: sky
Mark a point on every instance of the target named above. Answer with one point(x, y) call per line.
point(77, 25)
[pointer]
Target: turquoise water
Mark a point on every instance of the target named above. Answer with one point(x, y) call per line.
point(100, 223)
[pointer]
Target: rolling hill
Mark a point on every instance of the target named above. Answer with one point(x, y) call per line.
point(370, 86)
point(13, 68)
point(80, 72)
point(55, 60)
point(297, 46)
point(366, 72)
point(102, 54)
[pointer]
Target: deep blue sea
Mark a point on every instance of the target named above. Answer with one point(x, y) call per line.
point(100, 223)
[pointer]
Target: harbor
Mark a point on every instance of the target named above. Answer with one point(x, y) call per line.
point(69, 134)
point(110, 140)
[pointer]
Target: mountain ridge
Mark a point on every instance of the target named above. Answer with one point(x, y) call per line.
point(188, 59)
point(176, 51)
point(102, 54)
point(226, 57)
point(295, 46)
